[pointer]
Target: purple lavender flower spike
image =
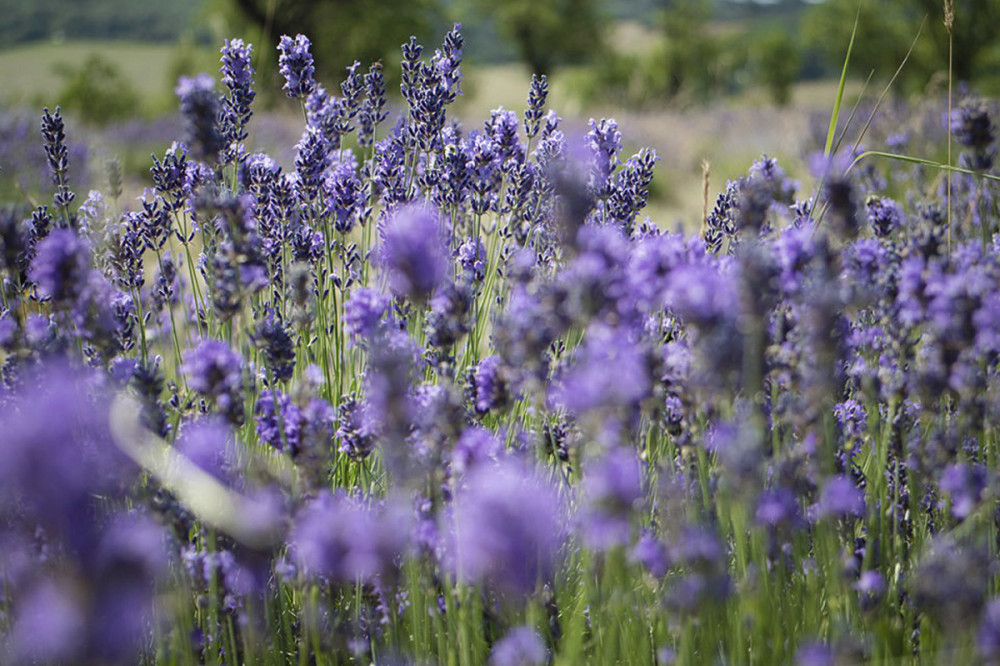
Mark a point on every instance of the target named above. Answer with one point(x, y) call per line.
point(488, 387)
point(237, 76)
point(296, 64)
point(54, 134)
point(536, 104)
point(279, 421)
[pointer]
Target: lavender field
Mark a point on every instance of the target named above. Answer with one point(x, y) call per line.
point(434, 393)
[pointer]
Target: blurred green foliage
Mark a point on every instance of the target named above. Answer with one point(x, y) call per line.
point(887, 28)
point(777, 63)
point(341, 31)
point(96, 91)
point(36, 20)
point(547, 33)
point(690, 63)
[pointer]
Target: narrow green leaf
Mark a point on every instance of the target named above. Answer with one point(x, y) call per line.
point(923, 162)
point(832, 131)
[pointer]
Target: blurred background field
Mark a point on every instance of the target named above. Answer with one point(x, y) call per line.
point(716, 81)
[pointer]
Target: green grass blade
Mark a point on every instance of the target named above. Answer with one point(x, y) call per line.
point(888, 86)
point(854, 111)
point(835, 116)
point(922, 162)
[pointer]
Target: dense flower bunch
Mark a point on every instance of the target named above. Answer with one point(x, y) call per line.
point(431, 394)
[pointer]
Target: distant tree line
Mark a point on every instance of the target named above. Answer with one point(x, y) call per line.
point(703, 47)
point(39, 20)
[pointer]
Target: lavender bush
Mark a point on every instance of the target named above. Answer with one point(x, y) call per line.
point(435, 395)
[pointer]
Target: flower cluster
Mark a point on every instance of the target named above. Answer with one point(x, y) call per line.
point(444, 394)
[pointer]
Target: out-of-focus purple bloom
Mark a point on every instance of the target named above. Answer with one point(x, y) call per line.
point(209, 444)
point(450, 312)
point(278, 348)
point(838, 190)
point(778, 508)
point(840, 498)
point(413, 253)
point(950, 583)
point(49, 626)
point(346, 539)
point(522, 646)
point(506, 527)
point(221, 571)
point(964, 484)
point(650, 263)
point(652, 554)
point(130, 559)
point(703, 556)
point(296, 64)
point(814, 654)
point(701, 295)
point(51, 468)
point(871, 588)
point(61, 265)
point(363, 311)
point(988, 637)
point(611, 488)
point(215, 372)
point(200, 107)
point(972, 126)
point(610, 371)
point(89, 595)
point(476, 446)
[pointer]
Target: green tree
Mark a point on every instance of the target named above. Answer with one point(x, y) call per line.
point(342, 30)
point(777, 61)
point(886, 29)
point(691, 57)
point(96, 91)
point(548, 33)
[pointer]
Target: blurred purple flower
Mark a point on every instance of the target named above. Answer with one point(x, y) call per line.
point(506, 527)
point(413, 252)
point(346, 539)
point(522, 646)
point(840, 498)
